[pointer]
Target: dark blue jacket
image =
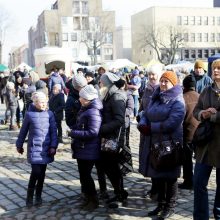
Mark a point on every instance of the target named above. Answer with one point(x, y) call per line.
point(87, 143)
point(42, 134)
point(55, 78)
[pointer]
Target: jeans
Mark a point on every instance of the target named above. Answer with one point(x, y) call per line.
point(201, 205)
point(136, 104)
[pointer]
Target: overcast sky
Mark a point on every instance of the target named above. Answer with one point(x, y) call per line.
point(24, 13)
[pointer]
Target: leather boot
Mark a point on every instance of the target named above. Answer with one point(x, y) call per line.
point(157, 210)
point(29, 199)
point(92, 204)
point(38, 199)
point(166, 213)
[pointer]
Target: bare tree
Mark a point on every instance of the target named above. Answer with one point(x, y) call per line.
point(165, 41)
point(98, 33)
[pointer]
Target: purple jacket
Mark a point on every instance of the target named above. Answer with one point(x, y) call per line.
point(42, 134)
point(87, 143)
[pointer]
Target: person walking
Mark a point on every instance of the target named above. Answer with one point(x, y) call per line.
point(39, 123)
point(207, 156)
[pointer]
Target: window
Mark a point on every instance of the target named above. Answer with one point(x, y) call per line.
point(199, 37)
point(109, 38)
point(65, 36)
point(108, 51)
point(193, 54)
point(186, 53)
point(185, 20)
point(199, 20)
point(218, 37)
point(199, 53)
point(206, 53)
point(206, 37)
point(85, 7)
point(205, 20)
point(186, 37)
point(192, 20)
point(218, 20)
point(74, 52)
point(212, 37)
point(192, 37)
point(212, 20)
point(212, 52)
point(179, 20)
point(76, 7)
point(85, 23)
point(73, 36)
point(76, 23)
point(64, 21)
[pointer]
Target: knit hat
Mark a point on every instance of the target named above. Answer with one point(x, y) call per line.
point(199, 64)
point(79, 81)
point(88, 92)
point(108, 79)
point(10, 85)
point(171, 76)
point(189, 82)
point(58, 86)
point(26, 80)
point(89, 74)
point(38, 96)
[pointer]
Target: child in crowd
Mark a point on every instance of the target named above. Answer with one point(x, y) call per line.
point(57, 105)
point(40, 125)
point(87, 143)
point(11, 104)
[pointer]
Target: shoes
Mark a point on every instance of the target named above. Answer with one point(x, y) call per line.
point(185, 185)
point(92, 203)
point(166, 213)
point(103, 195)
point(156, 211)
point(151, 195)
point(113, 202)
point(13, 128)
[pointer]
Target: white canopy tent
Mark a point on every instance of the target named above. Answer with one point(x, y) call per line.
point(120, 63)
point(23, 66)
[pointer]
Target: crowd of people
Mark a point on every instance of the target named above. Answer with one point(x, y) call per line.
point(101, 106)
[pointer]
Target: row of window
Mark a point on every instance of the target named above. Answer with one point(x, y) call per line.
point(199, 53)
point(108, 37)
point(77, 5)
point(198, 20)
point(200, 37)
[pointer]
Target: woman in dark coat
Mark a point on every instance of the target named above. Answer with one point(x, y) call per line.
point(164, 117)
point(40, 125)
point(114, 107)
point(87, 143)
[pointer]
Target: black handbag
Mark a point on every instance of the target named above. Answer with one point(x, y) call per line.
point(111, 144)
point(203, 134)
point(166, 155)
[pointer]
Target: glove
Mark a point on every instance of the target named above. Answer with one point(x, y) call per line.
point(52, 151)
point(20, 150)
point(144, 129)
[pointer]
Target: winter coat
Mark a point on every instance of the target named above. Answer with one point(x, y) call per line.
point(210, 153)
point(86, 141)
point(57, 105)
point(55, 78)
point(11, 99)
point(114, 107)
point(27, 94)
point(165, 114)
point(41, 86)
point(190, 123)
point(202, 82)
point(42, 135)
point(129, 108)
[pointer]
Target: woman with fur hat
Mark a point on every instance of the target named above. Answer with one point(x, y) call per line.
point(163, 121)
point(39, 123)
point(114, 107)
point(87, 143)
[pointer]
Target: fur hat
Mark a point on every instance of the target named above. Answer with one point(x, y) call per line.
point(79, 81)
point(108, 79)
point(38, 96)
point(10, 85)
point(171, 76)
point(199, 64)
point(189, 82)
point(88, 92)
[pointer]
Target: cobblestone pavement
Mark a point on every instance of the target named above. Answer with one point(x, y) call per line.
point(61, 193)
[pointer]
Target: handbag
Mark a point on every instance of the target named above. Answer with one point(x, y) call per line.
point(111, 144)
point(203, 134)
point(166, 155)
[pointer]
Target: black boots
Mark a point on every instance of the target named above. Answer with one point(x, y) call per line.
point(113, 202)
point(38, 199)
point(29, 199)
point(90, 203)
point(156, 211)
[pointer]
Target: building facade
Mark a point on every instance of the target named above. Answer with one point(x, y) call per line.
point(198, 29)
point(81, 25)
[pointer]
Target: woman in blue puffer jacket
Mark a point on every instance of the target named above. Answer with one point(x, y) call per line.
point(86, 142)
point(40, 125)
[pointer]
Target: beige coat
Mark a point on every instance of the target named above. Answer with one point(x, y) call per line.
point(209, 154)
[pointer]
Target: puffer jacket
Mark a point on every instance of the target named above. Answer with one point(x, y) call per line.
point(42, 135)
point(86, 142)
point(55, 78)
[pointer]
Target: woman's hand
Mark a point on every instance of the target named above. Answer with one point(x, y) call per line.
point(208, 112)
